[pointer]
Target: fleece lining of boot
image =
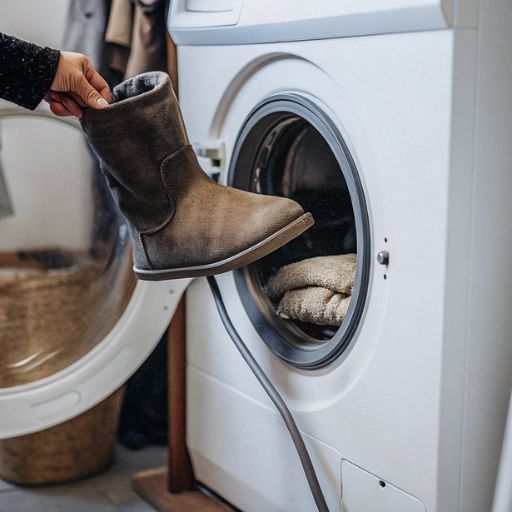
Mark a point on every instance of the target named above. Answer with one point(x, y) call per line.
point(138, 85)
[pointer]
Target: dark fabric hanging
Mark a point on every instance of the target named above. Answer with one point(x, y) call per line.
point(136, 36)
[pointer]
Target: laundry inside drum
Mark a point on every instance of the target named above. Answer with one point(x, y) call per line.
point(295, 161)
point(299, 297)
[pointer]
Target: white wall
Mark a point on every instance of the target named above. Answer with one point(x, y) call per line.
point(35, 20)
point(46, 163)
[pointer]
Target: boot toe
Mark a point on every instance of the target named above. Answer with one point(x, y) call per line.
point(282, 212)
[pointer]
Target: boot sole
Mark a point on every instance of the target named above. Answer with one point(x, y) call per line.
point(254, 253)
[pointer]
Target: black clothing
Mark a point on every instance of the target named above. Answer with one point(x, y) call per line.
point(26, 71)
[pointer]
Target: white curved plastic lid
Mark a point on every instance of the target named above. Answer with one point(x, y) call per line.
point(74, 323)
point(46, 402)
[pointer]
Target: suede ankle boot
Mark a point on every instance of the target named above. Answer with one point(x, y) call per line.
point(183, 224)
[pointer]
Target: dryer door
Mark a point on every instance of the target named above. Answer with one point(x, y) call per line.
point(74, 323)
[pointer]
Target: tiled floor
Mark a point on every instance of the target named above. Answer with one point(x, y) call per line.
point(109, 492)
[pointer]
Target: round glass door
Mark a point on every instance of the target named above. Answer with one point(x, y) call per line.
point(289, 147)
point(74, 323)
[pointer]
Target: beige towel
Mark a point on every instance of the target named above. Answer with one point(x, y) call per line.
point(337, 273)
point(316, 305)
point(315, 290)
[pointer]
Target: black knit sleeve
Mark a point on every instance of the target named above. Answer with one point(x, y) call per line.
point(26, 71)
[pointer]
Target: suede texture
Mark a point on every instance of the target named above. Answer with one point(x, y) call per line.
point(211, 222)
point(131, 137)
point(178, 216)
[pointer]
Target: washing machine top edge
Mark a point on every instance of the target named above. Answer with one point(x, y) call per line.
point(233, 22)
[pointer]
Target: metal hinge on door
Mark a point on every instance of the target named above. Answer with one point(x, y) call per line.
point(214, 151)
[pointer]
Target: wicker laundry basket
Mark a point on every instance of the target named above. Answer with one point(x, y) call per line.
point(72, 450)
point(54, 307)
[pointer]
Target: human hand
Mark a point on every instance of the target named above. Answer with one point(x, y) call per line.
point(76, 85)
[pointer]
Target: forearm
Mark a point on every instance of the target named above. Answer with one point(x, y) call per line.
point(26, 71)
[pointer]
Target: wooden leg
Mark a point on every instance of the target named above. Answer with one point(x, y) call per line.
point(173, 489)
point(180, 475)
point(172, 64)
point(151, 485)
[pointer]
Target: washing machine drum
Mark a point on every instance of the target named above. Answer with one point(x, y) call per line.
point(74, 324)
point(290, 147)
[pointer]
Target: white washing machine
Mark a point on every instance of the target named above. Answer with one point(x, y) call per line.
point(392, 122)
point(51, 372)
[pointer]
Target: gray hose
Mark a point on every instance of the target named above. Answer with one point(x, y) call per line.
point(271, 391)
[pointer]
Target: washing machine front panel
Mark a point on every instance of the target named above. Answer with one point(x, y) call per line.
point(419, 401)
point(355, 404)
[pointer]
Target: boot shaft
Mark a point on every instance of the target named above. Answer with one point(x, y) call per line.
point(131, 138)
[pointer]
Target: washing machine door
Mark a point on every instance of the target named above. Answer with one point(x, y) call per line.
point(74, 323)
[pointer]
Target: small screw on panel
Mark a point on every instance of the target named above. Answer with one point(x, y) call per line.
point(383, 257)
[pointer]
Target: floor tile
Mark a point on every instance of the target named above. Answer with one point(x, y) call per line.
point(108, 492)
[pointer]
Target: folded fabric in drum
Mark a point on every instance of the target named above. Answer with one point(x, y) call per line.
point(316, 305)
point(337, 273)
point(315, 290)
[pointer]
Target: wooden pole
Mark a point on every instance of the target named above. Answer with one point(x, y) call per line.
point(173, 488)
point(172, 63)
point(180, 475)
